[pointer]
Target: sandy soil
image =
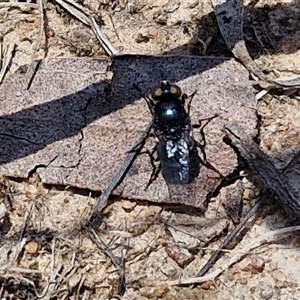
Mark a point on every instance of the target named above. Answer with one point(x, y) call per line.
point(45, 250)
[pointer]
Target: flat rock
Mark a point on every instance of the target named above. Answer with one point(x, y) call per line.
point(75, 125)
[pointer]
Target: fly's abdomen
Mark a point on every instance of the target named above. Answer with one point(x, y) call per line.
point(175, 161)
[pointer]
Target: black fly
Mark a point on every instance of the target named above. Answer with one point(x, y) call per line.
point(175, 144)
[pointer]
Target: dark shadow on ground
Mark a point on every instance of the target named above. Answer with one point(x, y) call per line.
point(60, 121)
point(271, 29)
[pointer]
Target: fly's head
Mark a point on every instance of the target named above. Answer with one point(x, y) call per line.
point(165, 92)
point(166, 103)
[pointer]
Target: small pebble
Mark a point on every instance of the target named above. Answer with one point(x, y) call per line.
point(31, 247)
point(243, 281)
point(266, 291)
point(207, 285)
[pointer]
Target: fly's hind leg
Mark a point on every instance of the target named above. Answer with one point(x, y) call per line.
point(204, 161)
point(201, 145)
point(155, 168)
point(199, 125)
point(139, 146)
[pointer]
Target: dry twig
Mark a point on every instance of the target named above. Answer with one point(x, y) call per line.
point(116, 180)
point(229, 238)
point(75, 10)
point(232, 32)
point(6, 59)
point(31, 67)
point(278, 181)
point(116, 262)
point(22, 240)
point(267, 238)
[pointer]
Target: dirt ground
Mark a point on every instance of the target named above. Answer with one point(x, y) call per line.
point(46, 254)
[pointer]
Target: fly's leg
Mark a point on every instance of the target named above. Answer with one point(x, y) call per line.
point(155, 168)
point(199, 125)
point(203, 140)
point(190, 101)
point(139, 146)
point(201, 145)
point(148, 101)
point(155, 172)
point(201, 148)
point(204, 161)
point(146, 97)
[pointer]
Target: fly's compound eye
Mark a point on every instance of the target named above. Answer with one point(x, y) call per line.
point(165, 89)
point(176, 90)
point(156, 94)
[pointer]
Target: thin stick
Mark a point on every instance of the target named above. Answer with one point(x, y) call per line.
point(32, 66)
point(276, 180)
point(74, 9)
point(118, 177)
point(115, 261)
point(7, 57)
point(21, 242)
point(229, 238)
point(105, 43)
point(238, 256)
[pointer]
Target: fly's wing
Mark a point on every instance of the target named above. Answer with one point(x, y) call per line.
point(175, 161)
point(175, 157)
point(188, 192)
point(180, 166)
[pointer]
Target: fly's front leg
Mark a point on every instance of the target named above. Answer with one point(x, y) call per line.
point(149, 103)
point(191, 97)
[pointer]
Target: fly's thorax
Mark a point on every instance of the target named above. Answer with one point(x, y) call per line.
point(175, 132)
point(170, 112)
